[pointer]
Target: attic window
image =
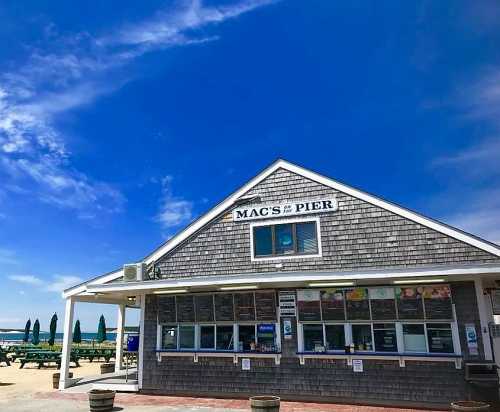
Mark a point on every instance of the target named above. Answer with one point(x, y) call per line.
point(285, 239)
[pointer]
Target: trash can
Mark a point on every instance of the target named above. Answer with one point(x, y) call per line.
point(133, 343)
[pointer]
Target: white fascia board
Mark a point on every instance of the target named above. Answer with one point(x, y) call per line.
point(280, 277)
point(80, 289)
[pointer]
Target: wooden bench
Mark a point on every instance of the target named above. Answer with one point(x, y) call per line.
point(44, 357)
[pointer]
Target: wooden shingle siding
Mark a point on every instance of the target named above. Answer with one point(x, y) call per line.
point(357, 235)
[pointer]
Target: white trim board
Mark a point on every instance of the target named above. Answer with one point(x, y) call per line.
point(298, 277)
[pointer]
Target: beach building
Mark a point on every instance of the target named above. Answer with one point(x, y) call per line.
point(300, 286)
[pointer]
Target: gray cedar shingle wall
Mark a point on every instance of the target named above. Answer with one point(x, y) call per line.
point(381, 382)
point(358, 235)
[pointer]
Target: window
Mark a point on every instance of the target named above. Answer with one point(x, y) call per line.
point(186, 337)
point(385, 337)
point(440, 338)
point(169, 337)
point(414, 337)
point(246, 337)
point(313, 337)
point(207, 337)
point(362, 337)
point(285, 239)
point(334, 337)
point(266, 337)
point(225, 339)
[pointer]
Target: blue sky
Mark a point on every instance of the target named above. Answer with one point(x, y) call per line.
point(120, 125)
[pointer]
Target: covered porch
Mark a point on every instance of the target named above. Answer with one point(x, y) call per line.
point(124, 377)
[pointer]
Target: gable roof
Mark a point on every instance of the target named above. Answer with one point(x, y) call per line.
point(230, 201)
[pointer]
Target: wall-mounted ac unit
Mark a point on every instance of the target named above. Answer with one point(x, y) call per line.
point(135, 272)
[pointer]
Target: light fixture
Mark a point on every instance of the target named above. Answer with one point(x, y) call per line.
point(410, 281)
point(161, 292)
point(130, 298)
point(239, 287)
point(329, 284)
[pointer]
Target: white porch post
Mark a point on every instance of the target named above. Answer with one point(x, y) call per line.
point(64, 380)
point(120, 326)
point(140, 361)
point(483, 317)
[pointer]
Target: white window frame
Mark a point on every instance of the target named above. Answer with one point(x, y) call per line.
point(179, 325)
point(316, 220)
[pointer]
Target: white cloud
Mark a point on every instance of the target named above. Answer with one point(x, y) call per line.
point(60, 283)
point(72, 72)
point(27, 279)
point(57, 283)
point(174, 211)
point(8, 257)
point(9, 320)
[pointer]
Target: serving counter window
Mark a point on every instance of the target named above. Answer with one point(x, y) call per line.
point(381, 320)
point(207, 337)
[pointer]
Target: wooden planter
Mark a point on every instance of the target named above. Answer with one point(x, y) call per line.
point(265, 403)
point(469, 406)
point(107, 368)
point(55, 379)
point(101, 400)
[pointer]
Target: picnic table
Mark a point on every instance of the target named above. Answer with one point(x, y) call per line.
point(94, 353)
point(21, 352)
point(45, 357)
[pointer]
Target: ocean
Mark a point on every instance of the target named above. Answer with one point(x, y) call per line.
point(44, 336)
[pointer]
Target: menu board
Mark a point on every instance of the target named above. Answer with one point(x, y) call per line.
point(265, 305)
point(185, 308)
point(437, 301)
point(204, 308)
point(357, 304)
point(332, 304)
point(224, 307)
point(244, 306)
point(308, 305)
point(166, 309)
point(383, 303)
point(409, 301)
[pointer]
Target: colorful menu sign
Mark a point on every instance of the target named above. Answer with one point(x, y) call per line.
point(383, 303)
point(437, 301)
point(332, 304)
point(309, 305)
point(357, 304)
point(409, 301)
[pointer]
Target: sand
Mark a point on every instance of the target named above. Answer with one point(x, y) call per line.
point(16, 383)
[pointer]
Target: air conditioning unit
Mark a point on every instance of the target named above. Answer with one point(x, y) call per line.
point(135, 272)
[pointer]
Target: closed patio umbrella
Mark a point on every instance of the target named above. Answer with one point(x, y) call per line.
point(101, 330)
point(77, 333)
point(53, 327)
point(27, 328)
point(36, 333)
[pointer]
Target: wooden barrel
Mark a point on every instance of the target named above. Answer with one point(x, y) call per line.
point(265, 403)
point(107, 368)
point(469, 406)
point(101, 400)
point(55, 379)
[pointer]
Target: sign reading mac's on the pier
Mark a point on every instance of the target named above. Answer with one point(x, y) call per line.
point(276, 210)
